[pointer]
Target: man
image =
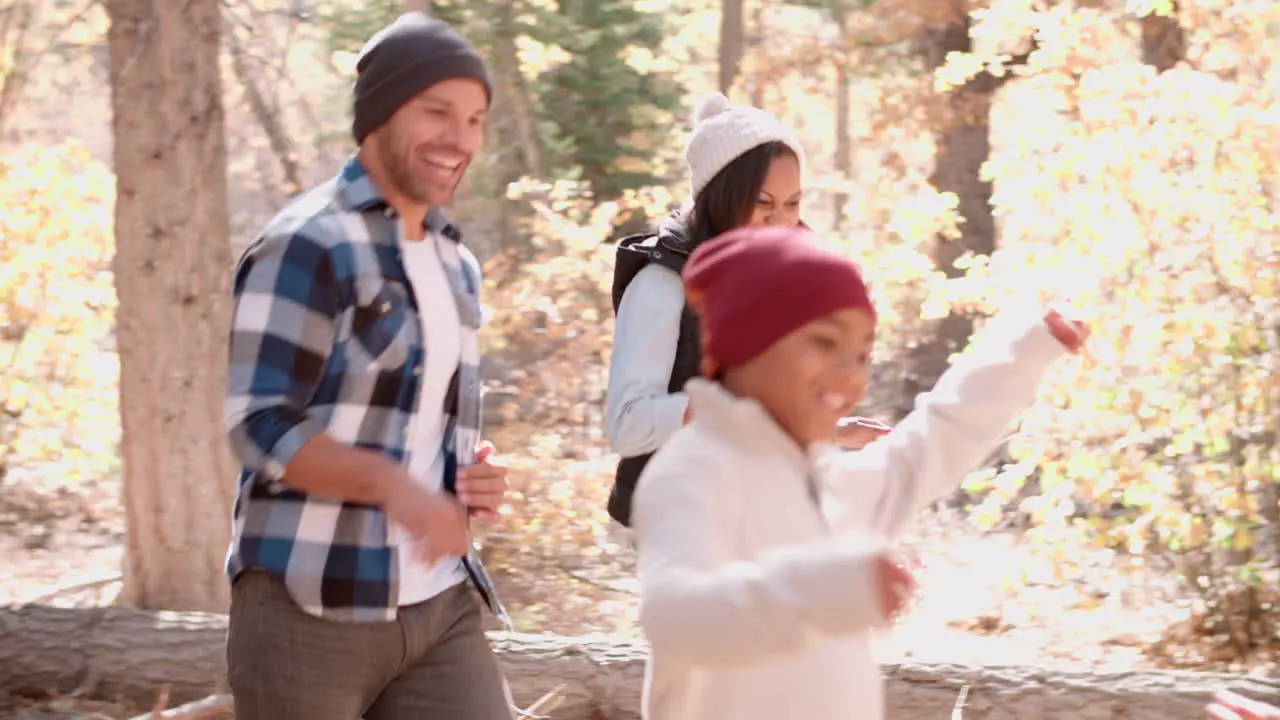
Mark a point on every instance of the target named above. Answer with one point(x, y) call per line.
point(353, 402)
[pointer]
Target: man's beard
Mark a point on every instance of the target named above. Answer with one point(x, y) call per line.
point(399, 169)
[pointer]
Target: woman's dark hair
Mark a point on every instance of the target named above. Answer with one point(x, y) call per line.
point(729, 199)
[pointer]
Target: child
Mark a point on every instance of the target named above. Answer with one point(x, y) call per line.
point(761, 567)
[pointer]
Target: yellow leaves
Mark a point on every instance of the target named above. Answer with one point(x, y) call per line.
point(1140, 8)
point(603, 214)
point(938, 303)
point(1004, 28)
point(538, 58)
point(57, 230)
point(921, 216)
point(958, 69)
point(1192, 531)
point(1148, 199)
point(56, 304)
point(1233, 503)
point(1049, 510)
point(1157, 185)
point(1242, 539)
point(648, 62)
point(1144, 156)
point(1074, 38)
point(1135, 537)
point(1151, 200)
point(343, 62)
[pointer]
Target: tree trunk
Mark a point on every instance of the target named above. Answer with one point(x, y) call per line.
point(214, 707)
point(731, 42)
point(759, 52)
point(172, 268)
point(268, 117)
point(1164, 44)
point(843, 161)
point(515, 97)
point(110, 652)
point(16, 20)
point(20, 27)
point(962, 133)
point(517, 150)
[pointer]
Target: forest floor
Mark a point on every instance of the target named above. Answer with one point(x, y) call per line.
point(984, 598)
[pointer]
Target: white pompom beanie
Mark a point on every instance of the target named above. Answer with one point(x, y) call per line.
point(723, 131)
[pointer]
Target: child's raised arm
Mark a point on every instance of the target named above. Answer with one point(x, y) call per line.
point(695, 606)
point(953, 427)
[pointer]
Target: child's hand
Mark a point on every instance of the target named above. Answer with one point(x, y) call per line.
point(895, 584)
point(1232, 706)
point(1070, 332)
point(856, 433)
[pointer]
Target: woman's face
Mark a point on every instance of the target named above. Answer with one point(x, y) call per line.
point(779, 200)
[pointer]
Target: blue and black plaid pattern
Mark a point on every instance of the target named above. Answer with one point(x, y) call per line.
point(325, 337)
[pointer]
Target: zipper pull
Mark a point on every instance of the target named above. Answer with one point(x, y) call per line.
point(815, 496)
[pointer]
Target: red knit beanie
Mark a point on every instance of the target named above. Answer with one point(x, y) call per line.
point(751, 287)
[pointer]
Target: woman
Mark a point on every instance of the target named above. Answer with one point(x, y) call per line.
point(745, 170)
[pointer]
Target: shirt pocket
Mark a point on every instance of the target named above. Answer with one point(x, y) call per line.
point(382, 331)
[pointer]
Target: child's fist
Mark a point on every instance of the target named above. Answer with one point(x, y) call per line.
point(1070, 332)
point(895, 585)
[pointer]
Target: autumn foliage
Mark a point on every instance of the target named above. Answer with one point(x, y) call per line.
point(1145, 199)
point(58, 416)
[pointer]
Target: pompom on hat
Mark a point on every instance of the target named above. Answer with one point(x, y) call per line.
point(723, 131)
point(751, 287)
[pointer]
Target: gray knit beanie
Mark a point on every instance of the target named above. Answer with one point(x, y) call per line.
point(403, 59)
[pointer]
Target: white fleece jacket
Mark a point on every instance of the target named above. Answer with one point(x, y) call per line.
point(756, 601)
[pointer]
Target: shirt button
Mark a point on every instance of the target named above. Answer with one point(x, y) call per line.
point(388, 212)
point(386, 306)
point(417, 370)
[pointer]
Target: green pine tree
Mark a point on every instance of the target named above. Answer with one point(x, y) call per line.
point(606, 116)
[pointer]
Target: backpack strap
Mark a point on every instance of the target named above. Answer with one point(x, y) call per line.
point(635, 252)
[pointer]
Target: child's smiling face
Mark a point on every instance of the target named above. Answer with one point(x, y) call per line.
point(812, 377)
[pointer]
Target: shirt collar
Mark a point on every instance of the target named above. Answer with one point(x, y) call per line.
point(358, 193)
point(747, 422)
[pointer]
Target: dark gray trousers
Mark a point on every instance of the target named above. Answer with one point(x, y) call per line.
point(432, 663)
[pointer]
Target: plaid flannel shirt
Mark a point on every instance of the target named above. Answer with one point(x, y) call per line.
point(326, 338)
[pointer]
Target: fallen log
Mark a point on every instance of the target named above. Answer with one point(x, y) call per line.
point(118, 653)
point(214, 707)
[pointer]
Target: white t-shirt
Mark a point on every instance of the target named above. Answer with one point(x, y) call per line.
point(441, 334)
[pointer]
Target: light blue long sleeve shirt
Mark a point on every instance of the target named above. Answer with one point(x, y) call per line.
point(640, 415)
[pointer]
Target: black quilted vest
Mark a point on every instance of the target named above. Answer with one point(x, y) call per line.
point(667, 247)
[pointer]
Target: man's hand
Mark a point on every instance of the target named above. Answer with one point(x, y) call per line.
point(482, 486)
point(856, 433)
point(436, 520)
point(1227, 705)
point(894, 583)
